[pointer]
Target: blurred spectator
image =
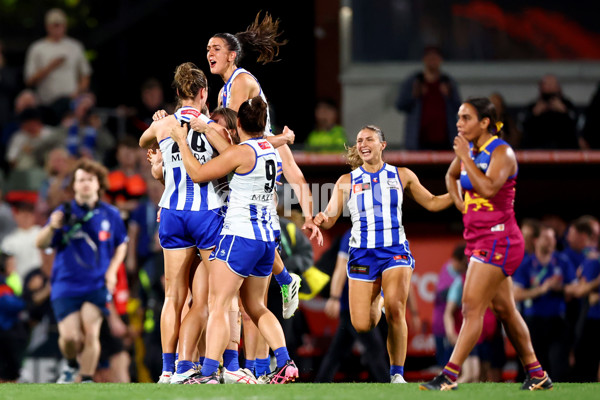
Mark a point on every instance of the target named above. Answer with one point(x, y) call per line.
point(582, 239)
point(590, 136)
point(551, 121)
point(21, 241)
point(56, 66)
point(587, 351)
point(142, 228)
point(337, 306)
point(13, 338)
point(541, 282)
point(530, 228)
point(24, 100)
point(449, 272)
point(9, 88)
point(36, 292)
point(29, 145)
point(509, 132)
point(431, 101)
point(42, 358)
point(55, 188)
point(327, 136)
point(7, 221)
point(85, 134)
point(151, 100)
point(126, 185)
point(560, 227)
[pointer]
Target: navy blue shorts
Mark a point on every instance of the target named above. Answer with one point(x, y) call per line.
point(245, 257)
point(368, 264)
point(64, 306)
point(184, 229)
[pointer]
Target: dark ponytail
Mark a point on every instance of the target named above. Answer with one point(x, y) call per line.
point(252, 116)
point(486, 109)
point(259, 36)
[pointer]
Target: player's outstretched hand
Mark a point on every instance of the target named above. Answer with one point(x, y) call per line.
point(315, 232)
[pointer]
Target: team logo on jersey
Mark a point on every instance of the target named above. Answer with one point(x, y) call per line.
point(359, 269)
point(375, 180)
point(393, 184)
point(103, 236)
point(482, 166)
point(193, 113)
point(360, 187)
point(264, 145)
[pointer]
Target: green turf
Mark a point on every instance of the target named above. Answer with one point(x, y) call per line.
point(301, 391)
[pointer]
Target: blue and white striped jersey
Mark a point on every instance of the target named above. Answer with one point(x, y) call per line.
point(227, 91)
point(375, 205)
point(181, 193)
point(225, 99)
point(251, 196)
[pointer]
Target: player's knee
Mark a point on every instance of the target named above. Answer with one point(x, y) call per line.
point(502, 311)
point(72, 338)
point(472, 308)
point(395, 312)
point(362, 325)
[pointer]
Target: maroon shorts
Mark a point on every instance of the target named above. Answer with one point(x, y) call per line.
point(505, 252)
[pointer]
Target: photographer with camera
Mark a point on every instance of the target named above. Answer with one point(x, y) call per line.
point(550, 122)
point(90, 241)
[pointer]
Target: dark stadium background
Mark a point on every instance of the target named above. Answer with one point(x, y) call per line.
point(132, 40)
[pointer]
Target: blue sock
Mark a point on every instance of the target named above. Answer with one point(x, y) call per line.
point(201, 360)
point(184, 366)
point(168, 362)
point(396, 369)
point(176, 356)
point(249, 364)
point(209, 367)
point(230, 360)
point(282, 355)
point(283, 278)
point(262, 366)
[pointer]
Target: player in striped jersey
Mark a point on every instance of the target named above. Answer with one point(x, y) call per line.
point(191, 215)
point(224, 53)
point(379, 253)
point(246, 249)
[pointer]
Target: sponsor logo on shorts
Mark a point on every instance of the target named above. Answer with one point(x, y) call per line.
point(498, 256)
point(498, 228)
point(222, 252)
point(359, 269)
point(480, 253)
point(401, 257)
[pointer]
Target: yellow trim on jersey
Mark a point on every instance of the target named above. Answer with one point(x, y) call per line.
point(490, 140)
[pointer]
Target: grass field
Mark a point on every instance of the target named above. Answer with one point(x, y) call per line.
point(308, 391)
